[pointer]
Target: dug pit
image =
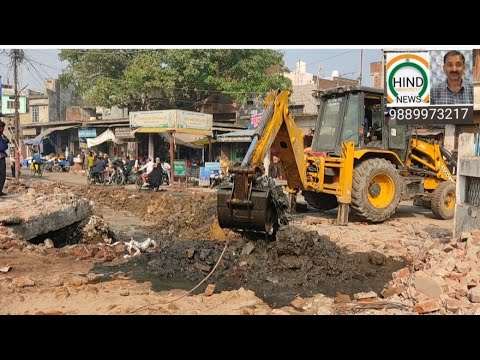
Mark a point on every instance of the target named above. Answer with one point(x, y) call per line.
point(297, 263)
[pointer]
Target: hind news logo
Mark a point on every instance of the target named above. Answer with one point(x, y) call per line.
point(408, 79)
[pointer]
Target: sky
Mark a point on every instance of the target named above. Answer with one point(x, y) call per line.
point(44, 63)
point(324, 61)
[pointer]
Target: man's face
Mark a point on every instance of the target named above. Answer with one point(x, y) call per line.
point(454, 67)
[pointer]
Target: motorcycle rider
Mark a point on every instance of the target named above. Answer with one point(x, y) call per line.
point(98, 167)
point(148, 167)
point(129, 164)
point(37, 160)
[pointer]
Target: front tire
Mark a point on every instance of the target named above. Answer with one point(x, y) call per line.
point(443, 200)
point(376, 190)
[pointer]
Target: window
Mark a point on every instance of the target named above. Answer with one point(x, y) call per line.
point(35, 114)
point(328, 124)
point(11, 105)
point(351, 124)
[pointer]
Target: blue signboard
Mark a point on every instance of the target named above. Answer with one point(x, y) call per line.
point(87, 133)
point(204, 177)
point(212, 167)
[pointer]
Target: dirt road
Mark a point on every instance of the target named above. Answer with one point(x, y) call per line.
point(314, 267)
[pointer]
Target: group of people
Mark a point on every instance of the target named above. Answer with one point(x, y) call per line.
point(98, 164)
point(150, 165)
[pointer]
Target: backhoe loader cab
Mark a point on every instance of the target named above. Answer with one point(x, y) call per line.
point(354, 114)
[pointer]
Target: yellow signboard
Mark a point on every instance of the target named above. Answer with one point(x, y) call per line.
point(173, 120)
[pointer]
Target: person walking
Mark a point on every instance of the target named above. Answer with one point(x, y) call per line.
point(3, 154)
point(166, 170)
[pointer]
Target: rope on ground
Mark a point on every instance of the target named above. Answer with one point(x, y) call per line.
point(380, 305)
point(189, 292)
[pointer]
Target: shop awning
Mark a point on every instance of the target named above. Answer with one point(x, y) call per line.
point(38, 139)
point(189, 140)
point(158, 130)
point(237, 136)
point(187, 137)
point(107, 135)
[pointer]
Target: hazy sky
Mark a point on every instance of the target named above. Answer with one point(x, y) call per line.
point(323, 61)
point(44, 63)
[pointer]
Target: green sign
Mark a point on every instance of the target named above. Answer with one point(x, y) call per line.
point(179, 168)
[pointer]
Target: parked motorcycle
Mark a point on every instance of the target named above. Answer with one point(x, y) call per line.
point(61, 165)
point(115, 175)
point(96, 178)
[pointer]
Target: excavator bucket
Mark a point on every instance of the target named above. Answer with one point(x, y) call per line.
point(255, 213)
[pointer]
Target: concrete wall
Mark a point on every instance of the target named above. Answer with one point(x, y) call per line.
point(467, 216)
point(77, 113)
point(25, 118)
point(302, 95)
point(43, 108)
point(114, 113)
point(376, 72)
point(53, 104)
point(6, 99)
point(476, 96)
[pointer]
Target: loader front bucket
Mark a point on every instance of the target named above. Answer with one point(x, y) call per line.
point(256, 213)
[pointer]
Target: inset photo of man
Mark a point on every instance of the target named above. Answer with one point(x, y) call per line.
point(451, 77)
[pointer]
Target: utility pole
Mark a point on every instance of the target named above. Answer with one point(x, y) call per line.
point(17, 56)
point(361, 67)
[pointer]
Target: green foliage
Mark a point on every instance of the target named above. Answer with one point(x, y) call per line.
point(167, 78)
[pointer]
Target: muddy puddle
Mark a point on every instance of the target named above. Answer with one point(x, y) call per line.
point(297, 263)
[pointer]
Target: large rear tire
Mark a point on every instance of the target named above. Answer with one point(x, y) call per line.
point(443, 200)
point(376, 190)
point(320, 201)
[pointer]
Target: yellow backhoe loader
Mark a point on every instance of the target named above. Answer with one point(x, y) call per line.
point(360, 160)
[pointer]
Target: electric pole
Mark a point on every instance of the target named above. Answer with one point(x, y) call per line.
point(361, 67)
point(17, 57)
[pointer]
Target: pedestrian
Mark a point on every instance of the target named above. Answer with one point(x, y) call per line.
point(82, 158)
point(166, 170)
point(91, 160)
point(3, 154)
point(275, 170)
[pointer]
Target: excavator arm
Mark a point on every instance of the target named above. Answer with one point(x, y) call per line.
point(251, 204)
point(279, 129)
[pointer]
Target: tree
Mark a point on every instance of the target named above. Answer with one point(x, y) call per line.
point(167, 78)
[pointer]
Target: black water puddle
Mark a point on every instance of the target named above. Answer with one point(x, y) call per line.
point(67, 235)
point(297, 263)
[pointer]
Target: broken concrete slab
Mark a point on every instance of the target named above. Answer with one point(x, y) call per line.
point(474, 295)
point(39, 215)
point(427, 285)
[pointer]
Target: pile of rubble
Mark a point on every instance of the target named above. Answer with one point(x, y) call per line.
point(181, 217)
